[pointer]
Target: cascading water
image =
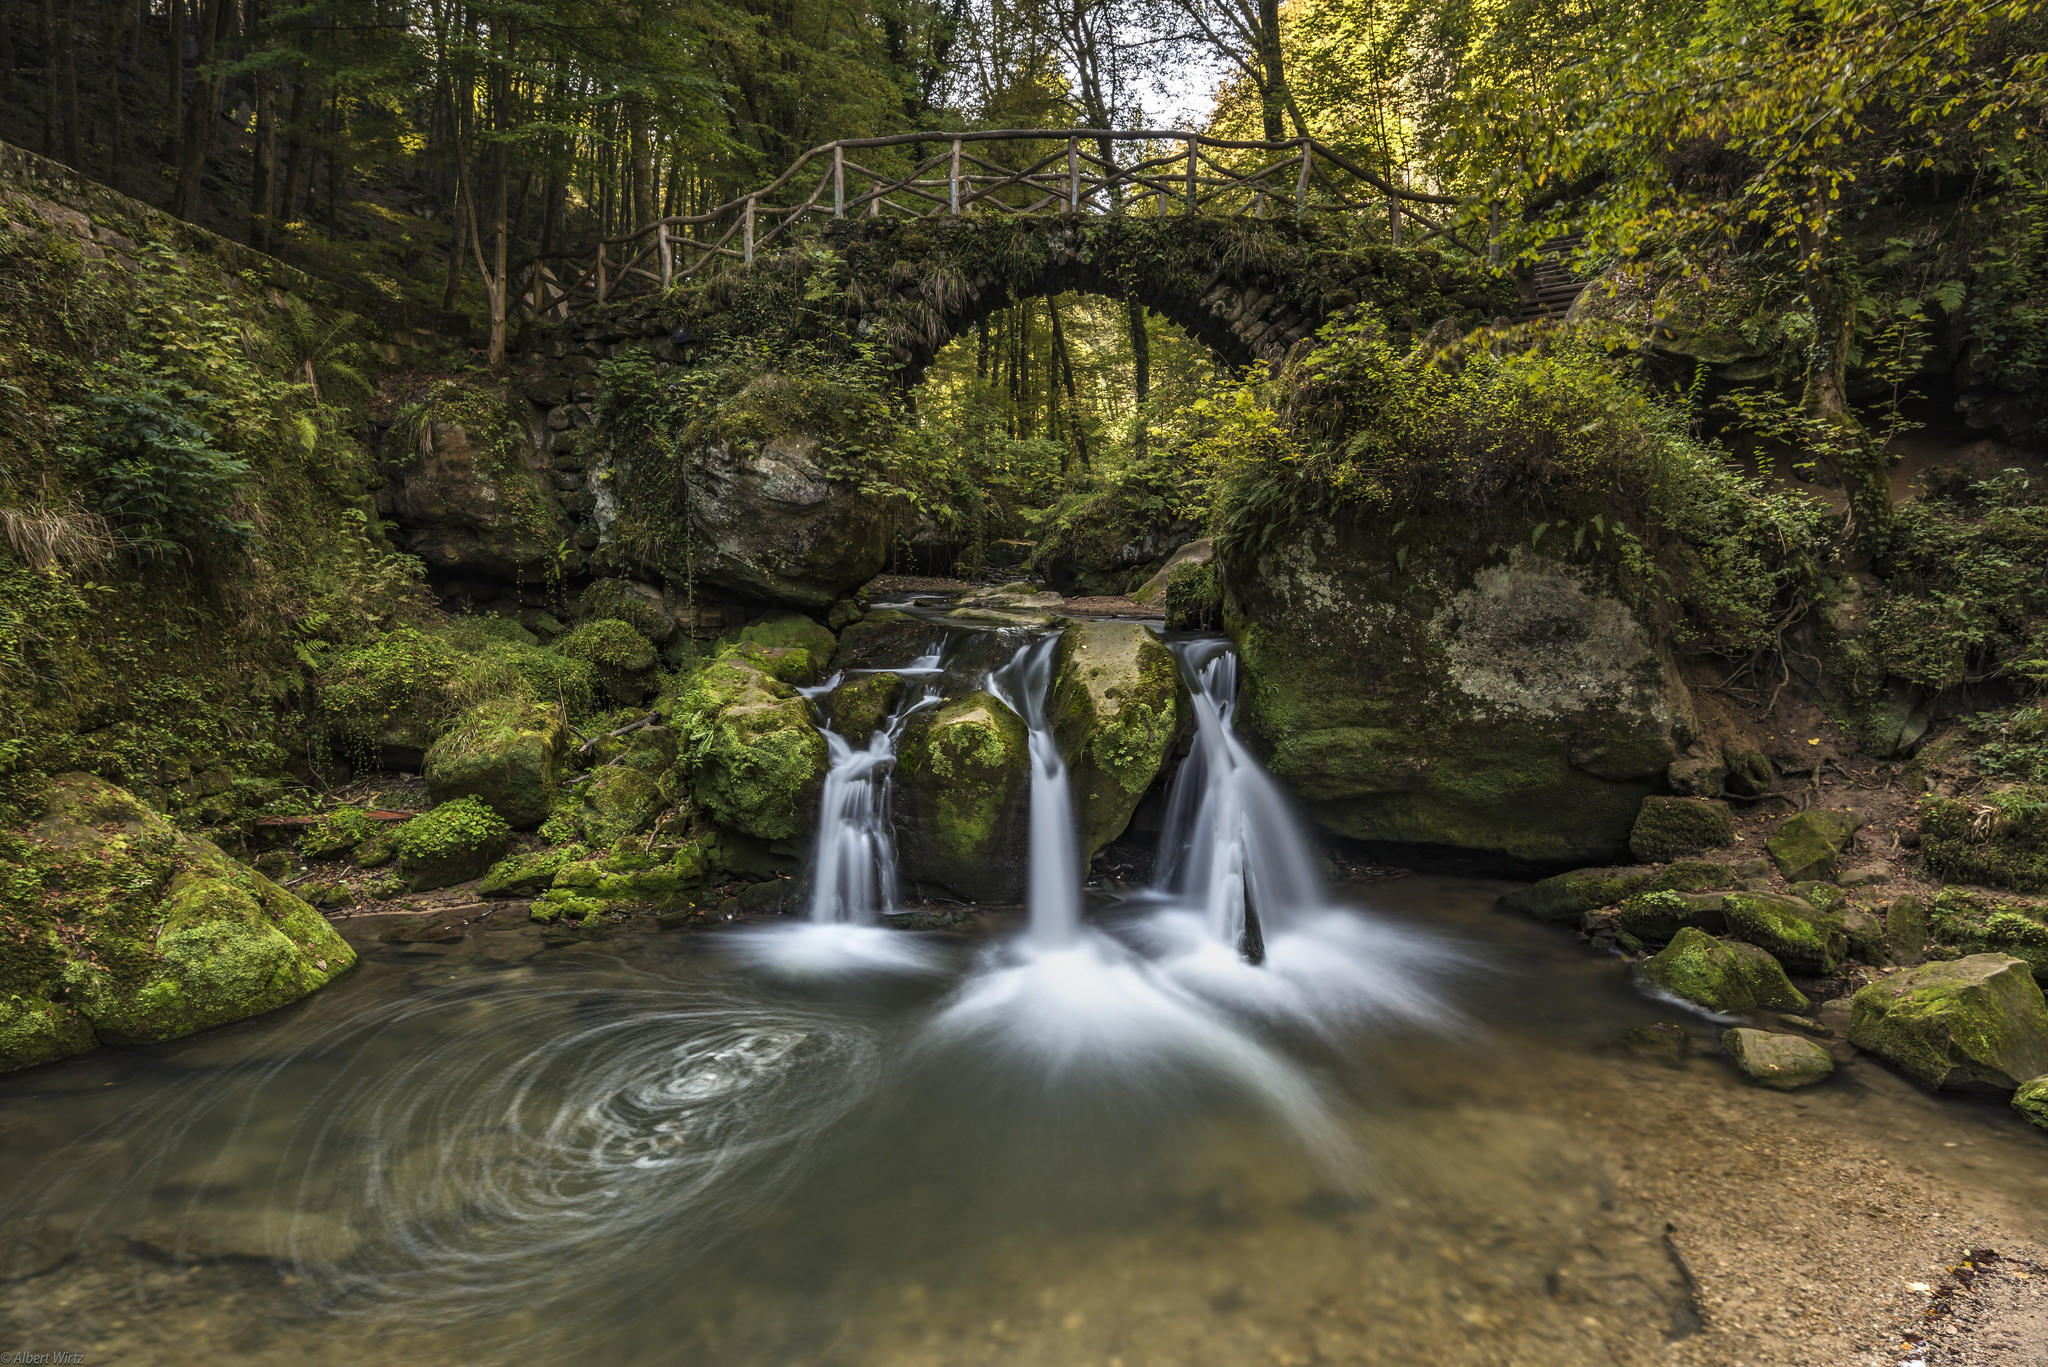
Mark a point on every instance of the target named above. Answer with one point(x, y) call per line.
point(853, 880)
point(1054, 896)
point(1231, 846)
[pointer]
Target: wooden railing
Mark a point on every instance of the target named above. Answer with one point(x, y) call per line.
point(1060, 171)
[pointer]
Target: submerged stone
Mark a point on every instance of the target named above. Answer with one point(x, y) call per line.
point(1780, 1061)
point(1974, 1023)
point(1723, 976)
point(1803, 938)
point(1115, 711)
point(963, 782)
point(1670, 828)
point(1807, 845)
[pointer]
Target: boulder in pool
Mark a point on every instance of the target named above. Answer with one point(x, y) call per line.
point(755, 760)
point(1115, 709)
point(1781, 1061)
point(963, 784)
point(1725, 977)
point(1799, 936)
point(1972, 1024)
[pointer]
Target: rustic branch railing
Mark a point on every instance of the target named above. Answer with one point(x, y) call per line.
point(1175, 173)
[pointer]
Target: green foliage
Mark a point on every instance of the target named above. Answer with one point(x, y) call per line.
point(1966, 597)
point(1194, 597)
point(1999, 839)
point(1961, 922)
point(144, 450)
point(453, 828)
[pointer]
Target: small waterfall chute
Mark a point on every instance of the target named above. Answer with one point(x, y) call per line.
point(853, 875)
point(1054, 898)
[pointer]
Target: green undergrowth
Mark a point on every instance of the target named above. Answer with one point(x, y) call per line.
point(1962, 922)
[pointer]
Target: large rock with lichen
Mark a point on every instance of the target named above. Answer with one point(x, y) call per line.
point(1803, 937)
point(124, 930)
point(1449, 692)
point(450, 843)
point(469, 487)
point(754, 758)
point(963, 784)
point(1564, 897)
point(1115, 709)
point(507, 753)
point(1977, 1023)
point(1722, 976)
point(789, 645)
point(1807, 845)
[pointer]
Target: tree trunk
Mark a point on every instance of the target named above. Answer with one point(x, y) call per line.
point(1141, 369)
point(263, 168)
point(295, 151)
point(1066, 364)
point(49, 55)
point(643, 170)
point(117, 135)
point(70, 59)
point(1857, 460)
point(1273, 90)
point(175, 104)
point(215, 27)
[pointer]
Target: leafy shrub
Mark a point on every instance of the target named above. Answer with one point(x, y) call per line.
point(145, 449)
point(453, 828)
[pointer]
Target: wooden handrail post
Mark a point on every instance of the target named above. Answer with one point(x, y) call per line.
point(1191, 174)
point(953, 178)
point(1073, 175)
point(1394, 217)
point(747, 232)
point(1301, 181)
point(668, 256)
point(838, 181)
point(602, 289)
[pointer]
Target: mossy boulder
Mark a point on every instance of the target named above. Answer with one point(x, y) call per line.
point(2000, 842)
point(448, 844)
point(883, 639)
point(963, 784)
point(124, 930)
point(1781, 1061)
point(1961, 921)
point(1115, 710)
point(640, 606)
point(617, 802)
point(1723, 976)
point(1669, 828)
point(2031, 1100)
point(861, 706)
point(529, 873)
point(1905, 928)
point(622, 661)
point(506, 753)
point(1808, 845)
point(754, 758)
point(335, 834)
point(1654, 917)
point(1448, 692)
point(789, 645)
point(659, 878)
point(1564, 897)
point(1977, 1023)
point(1797, 934)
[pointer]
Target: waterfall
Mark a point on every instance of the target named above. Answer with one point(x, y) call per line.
point(1055, 877)
point(853, 881)
point(1231, 847)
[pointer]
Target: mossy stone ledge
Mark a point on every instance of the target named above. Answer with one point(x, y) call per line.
point(1976, 1023)
point(2031, 1101)
point(507, 753)
point(1115, 710)
point(963, 783)
point(1669, 828)
point(1796, 934)
point(754, 759)
point(1563, 897)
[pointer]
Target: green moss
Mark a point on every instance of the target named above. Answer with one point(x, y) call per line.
point(335, 833)
point(1722, 976)
point(661, 878)
point(1999, 841)
point(1653, 917)
point(1803, 938)
point(505, 753)
point(529, 873)
point(1807, 845)
point(1194, 597)
point(754, 757)
point(621, 660)
point(451, 843)
point(861, 705)
point(963, 777)
point(617, 802)
point(1961, 922)
point(1670, 828)
point(2031, 1101)
point(1115, 711)
point(117, 920)
point(1978, 1022)
point(618, 600)
point(561, 904)
point(809, 646)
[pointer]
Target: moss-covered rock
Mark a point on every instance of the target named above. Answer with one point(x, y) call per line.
point(1564, 897)
point(1808, 845)
point(1867, 940)
point(506, 753)
point(1669, 828)
point(468, 487)
point(529, 873)
point(1905, 928)
point(755, 760)
point(1115, 710)
point(2031, 1100)
point(1975, 1023)
point(963, 783)
point(2000, 842)
point(640, 606)
point(862, 705)
point(1781, 1061)
point(335, 833)
point(1803, 938)
point(1723, 976)
point(1654, 917)
point(789, 645)
point(125, 930)
point(1447, 692)
point(449, 844)
point(621, 659)
point(660, 878)
point(617, 802)
point(1965, 922)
